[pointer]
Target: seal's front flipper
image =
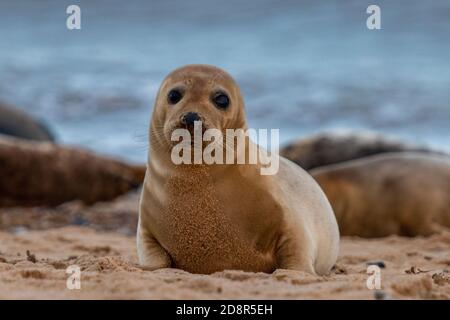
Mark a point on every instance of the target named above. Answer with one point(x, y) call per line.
point(291, 255)
point(151, 255)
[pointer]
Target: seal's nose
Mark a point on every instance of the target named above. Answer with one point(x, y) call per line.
point(189, 118)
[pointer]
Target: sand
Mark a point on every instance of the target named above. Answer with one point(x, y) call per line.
point(100, 240)
point(414, 269)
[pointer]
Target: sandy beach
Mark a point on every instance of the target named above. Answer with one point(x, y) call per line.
point(414, 268)
point(88, 102)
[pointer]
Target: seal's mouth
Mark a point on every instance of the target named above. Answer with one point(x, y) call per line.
point(198, 127)
point(200, 130)
point(194, 132)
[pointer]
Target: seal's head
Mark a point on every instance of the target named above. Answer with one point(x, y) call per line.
point(197, 93)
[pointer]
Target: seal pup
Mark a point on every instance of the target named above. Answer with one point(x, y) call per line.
point(207, 218)
point(337, 146)
point(403, 193)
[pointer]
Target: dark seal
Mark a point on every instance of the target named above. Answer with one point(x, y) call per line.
point(17, 123)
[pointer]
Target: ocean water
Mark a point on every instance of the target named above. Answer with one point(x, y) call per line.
point(303, 66)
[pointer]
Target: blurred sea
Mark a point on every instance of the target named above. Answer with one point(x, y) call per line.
point(303, 66)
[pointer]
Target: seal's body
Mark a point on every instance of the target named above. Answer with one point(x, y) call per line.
point(16, 123)
point(403, 193)
point(206, 218)
point(338, 146)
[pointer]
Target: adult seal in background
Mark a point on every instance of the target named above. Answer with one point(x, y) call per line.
point(35, 173)
point(338, 146)
point(207, 218)
point(16, 123)
point(405, 193)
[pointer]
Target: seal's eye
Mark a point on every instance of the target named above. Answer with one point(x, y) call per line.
point(174, 96)
point(221, 100)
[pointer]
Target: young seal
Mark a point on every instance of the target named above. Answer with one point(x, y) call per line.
point(207, 218)
point(404, 193)
point(338, 146)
